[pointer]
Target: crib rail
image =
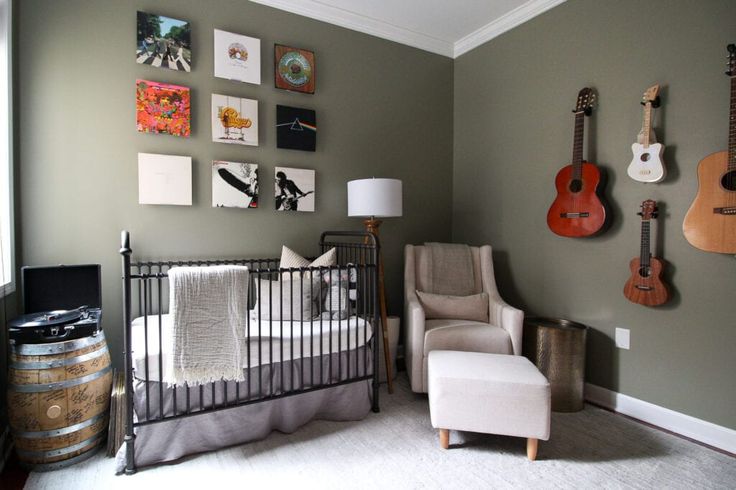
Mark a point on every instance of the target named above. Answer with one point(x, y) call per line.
point(330, 350)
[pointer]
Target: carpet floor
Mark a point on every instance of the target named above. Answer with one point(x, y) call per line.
point(398, 448)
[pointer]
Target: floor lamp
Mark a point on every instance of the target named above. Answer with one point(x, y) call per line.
point(371, 199)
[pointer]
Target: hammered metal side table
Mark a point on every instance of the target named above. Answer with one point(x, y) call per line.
point(557, 348)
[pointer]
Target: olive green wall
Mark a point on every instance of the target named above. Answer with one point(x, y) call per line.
point(383, 110)
point(513, 131)
point(392, 111)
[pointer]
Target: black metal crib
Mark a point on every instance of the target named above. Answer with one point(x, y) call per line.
point(346, 360)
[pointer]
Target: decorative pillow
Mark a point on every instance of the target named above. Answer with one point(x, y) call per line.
point(473, 307)
point(296, 298)
point(291, 259)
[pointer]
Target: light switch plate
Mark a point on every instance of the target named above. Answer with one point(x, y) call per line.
point(623, 338)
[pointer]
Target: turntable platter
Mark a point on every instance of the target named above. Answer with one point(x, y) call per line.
point(46, 318)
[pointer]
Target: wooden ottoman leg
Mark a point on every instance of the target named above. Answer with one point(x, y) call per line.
point(531, 448)
point(445, 438)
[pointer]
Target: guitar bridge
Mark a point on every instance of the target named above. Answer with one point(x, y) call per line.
point(643, 288)
point(727, 211)
point(575, 215)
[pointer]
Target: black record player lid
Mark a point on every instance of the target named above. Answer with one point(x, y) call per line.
point(47, 318)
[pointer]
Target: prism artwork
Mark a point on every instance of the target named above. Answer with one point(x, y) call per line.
point(164, 179)
point(294, 189)
point(296, 129)
point(234, 120)
point(294, 69)
point(237, 57)
point(163, 42)
point(162, 108)
point(234, 184)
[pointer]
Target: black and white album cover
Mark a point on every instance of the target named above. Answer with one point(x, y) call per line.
point(234, 184)
point(294, 189)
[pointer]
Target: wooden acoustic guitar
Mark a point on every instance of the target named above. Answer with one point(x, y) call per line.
point(710, 223)
point(647, 166)
point(577, 211)
point(645, 285)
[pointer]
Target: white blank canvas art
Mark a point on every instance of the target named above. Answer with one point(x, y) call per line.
point(237, 57)
point(164, 179)
point(234, 120)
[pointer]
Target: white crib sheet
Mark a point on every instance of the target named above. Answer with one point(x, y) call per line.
point(299, 339)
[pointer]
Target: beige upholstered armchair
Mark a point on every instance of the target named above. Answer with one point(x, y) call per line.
point(440, 322)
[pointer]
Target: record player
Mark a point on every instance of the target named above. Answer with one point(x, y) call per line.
point(55, 326)
point(52, 296)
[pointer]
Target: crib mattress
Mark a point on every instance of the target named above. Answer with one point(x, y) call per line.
point(269, 341)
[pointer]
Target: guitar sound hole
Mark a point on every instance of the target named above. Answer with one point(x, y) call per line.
point(644, 271)
point(576, 185)
point(645, 157)
point(728, 181)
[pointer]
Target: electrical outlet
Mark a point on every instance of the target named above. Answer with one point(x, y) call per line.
point(623, 338)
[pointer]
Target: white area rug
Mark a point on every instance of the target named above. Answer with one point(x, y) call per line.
point(399, 449)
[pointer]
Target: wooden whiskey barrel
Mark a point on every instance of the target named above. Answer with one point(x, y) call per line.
point(58, 400)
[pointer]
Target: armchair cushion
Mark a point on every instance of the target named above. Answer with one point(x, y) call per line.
point(473, 307)
point(466, 336)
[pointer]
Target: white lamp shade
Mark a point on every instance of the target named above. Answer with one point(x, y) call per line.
point(380, 198)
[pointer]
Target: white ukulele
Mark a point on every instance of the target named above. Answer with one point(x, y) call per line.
point(647, 165)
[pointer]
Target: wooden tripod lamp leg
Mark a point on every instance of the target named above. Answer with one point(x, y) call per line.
point(372, 227)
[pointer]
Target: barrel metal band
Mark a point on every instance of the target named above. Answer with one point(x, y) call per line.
point(57, 347)
point(59, 432)
point(61, 464)
point(59, 362)
point(40, 388)
point(62, 451)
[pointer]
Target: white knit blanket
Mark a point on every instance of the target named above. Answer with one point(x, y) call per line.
point(209, 308)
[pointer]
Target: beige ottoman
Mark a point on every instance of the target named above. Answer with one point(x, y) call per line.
point(489, 393)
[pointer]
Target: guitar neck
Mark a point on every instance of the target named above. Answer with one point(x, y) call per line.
point(646, 126)
point(577, 145)
point(645, 253)
point(732, 128)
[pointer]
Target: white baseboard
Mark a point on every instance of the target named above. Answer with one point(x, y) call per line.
point(679, 423)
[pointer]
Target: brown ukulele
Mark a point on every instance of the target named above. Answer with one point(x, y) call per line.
point(710, 223)
point(645, 285)
point(577, 211)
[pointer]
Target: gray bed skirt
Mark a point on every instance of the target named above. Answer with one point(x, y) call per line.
point(178, 437)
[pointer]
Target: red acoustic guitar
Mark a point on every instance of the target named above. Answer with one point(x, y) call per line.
point(710, 223)
point(645, 285)
point(577, 211)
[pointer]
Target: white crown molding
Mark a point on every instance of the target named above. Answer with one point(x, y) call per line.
point(679, 423)
point(360, 23)
point(506, 22)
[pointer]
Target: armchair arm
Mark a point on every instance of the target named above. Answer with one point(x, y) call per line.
point(414, 322)
point(499, 312)
point(507, 317)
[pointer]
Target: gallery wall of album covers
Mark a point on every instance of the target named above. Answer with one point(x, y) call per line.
point(162, 108)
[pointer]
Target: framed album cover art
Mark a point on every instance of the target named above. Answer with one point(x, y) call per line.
point(234, 184)
point(164, 179)
point(296, 129)
point(237, 57)
point(294, 69)
point(234, 120)
point(294, 189)
point(163, 42)
point(162, 108)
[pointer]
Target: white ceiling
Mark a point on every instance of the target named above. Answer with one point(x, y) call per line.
point(446, 27)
